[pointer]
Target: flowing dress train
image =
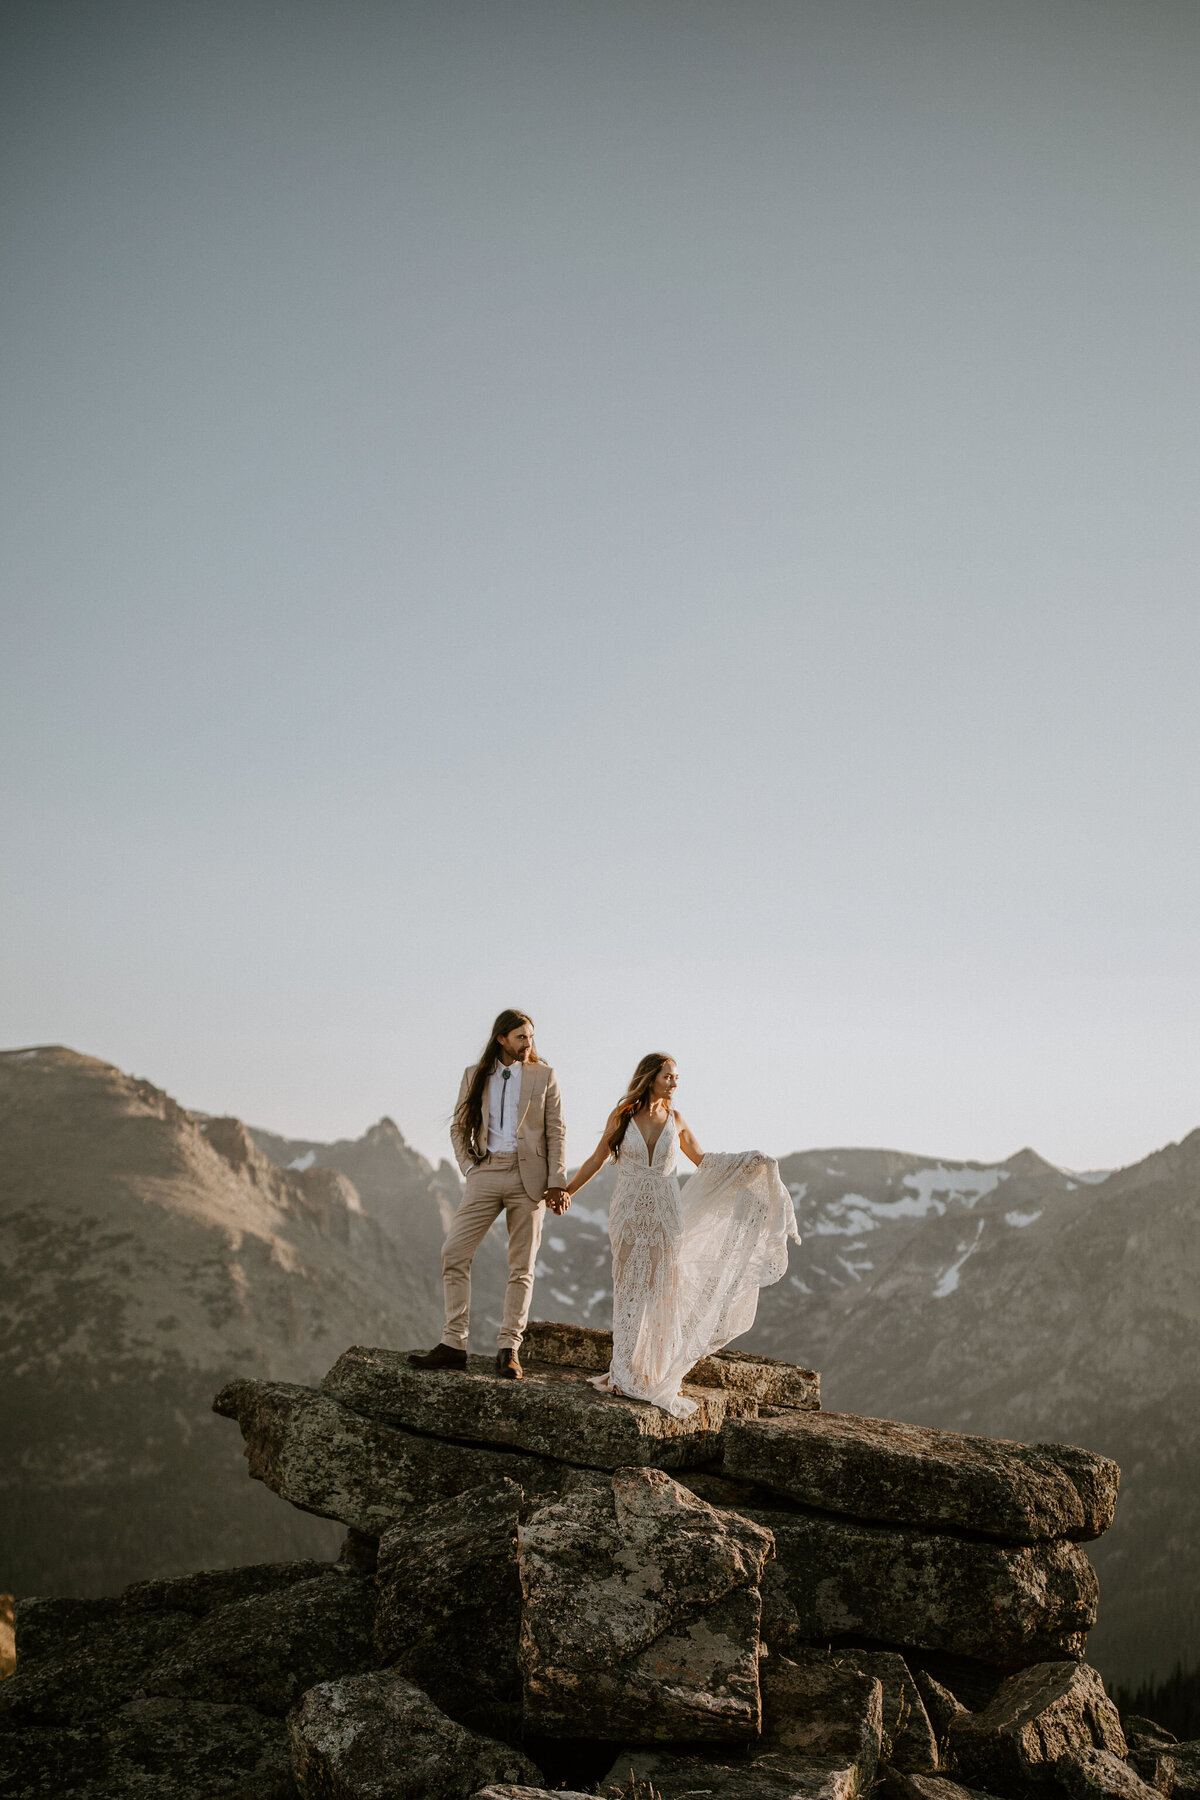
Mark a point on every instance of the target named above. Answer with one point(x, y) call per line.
point(687, 1266)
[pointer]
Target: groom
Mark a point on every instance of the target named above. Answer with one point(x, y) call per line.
point(508, 1138)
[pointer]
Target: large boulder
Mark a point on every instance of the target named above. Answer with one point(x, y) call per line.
point(908, 1740)
point(1035, 1718)
point(266, 1650)
point(641, 1614)
point(822, 1720)
point(78, 1659)
point(749, 1380)
point(1008, 1605)
point(1172, 1768)
point(553, 1412)
point(449, 1613)
point(1092, 1774)
point(820, 1741)
point(881, 1471)
point(328, 1459)
point(903, 1784)
point(378, 1737)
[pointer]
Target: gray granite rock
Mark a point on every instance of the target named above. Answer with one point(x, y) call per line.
point(941, 1706)
point(822, 1720)
point(501, 1791)
point(78, 1659)
point(327, 1459)
point(1171, 1768)
point(748, 1380)
point(449, 1613)
point(1036, 1717)
point(820, 1741)
point(378, 1737)
point(902, 1784)
point(266, 1650)
point(880, 1471)
point(836, 1579)
point(908, 1740)
point(152, 1750)
point(641, 1614)
point(1092, 1774)
point(1137, 1729)
point(553, 1412)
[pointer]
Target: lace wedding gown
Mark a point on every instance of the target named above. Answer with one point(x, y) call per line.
point(687, 1266)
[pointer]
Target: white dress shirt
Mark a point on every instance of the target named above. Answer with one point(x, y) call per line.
point(501, 1138)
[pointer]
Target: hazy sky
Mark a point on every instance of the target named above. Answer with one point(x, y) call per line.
point(679, 517)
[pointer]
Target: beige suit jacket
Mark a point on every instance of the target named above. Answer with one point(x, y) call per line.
point(541, 1138)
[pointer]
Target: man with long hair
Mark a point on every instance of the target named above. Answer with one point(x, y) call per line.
point(508, 1137)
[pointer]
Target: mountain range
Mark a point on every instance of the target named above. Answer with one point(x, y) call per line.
point(158, 1252)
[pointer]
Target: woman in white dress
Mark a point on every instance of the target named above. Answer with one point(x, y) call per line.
point(687, 1266)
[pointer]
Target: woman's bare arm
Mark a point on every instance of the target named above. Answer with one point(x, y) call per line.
point(687, 1142)
point(597, 1159)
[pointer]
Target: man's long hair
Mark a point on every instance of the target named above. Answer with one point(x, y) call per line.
point(469, 1117)
point(637, 1095)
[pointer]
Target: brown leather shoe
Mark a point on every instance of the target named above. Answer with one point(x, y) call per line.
point(442, 1356)
point(508, 1364)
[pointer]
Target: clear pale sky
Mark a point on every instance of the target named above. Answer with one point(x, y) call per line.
point(678, 517)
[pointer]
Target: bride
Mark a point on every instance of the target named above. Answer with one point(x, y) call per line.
point(687, 1266)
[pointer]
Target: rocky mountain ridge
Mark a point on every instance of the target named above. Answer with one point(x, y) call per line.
point(151, 1253)
point(156, 1252)
point(544, 1587)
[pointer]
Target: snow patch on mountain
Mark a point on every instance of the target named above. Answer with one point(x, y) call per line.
point(949, 1280)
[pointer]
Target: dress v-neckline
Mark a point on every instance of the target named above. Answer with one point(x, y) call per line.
point(649, 1149)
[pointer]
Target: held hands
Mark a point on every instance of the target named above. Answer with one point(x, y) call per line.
point(557, 1199)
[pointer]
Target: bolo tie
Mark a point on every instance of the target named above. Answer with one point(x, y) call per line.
point(506, 1077)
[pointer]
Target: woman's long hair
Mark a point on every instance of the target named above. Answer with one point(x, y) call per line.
point(637, 1095)
point(469, 1117)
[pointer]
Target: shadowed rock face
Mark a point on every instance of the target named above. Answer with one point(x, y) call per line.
point(1092, 1774)
point(1002, 1604)
point(553, 1412)
point(77, 1659)
point(379, 1735)
point(449, 1613)
point(907, 1737)
point(1043, 1713)
point(154, 1750)
point(820, 1741)
point(873, 1469)
point(641, 1614)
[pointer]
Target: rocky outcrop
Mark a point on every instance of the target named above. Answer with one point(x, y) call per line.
point(78, 1659)
point(874, 1469)
point(1038, 1716)
point(265, 1651)
point(379, 1737)
point(640, 1614)
point(535, 1573)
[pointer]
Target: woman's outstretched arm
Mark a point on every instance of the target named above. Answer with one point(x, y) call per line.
point(687, 1142)
point(597, 1159)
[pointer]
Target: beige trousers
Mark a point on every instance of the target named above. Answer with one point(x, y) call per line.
point(493, 1188)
